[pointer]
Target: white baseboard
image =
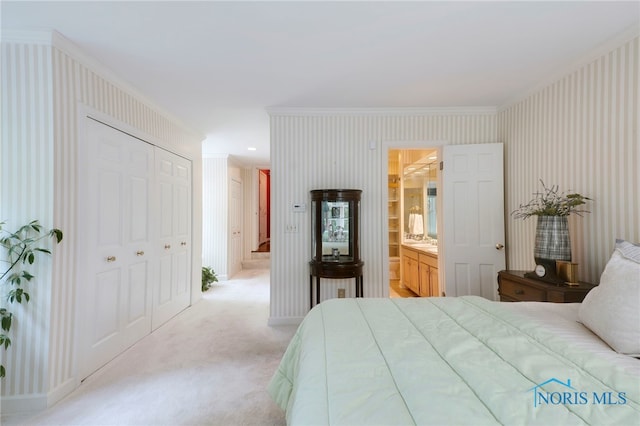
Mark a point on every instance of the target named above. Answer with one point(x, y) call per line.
point(30, 403)
point(61, 391)
point(284, 321)
point(23, 403)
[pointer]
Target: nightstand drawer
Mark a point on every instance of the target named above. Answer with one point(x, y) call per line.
point(521, 292)
point(515, 286)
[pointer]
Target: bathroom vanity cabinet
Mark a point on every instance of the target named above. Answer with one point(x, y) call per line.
point(420, 270)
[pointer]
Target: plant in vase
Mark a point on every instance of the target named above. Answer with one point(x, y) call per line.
point(552, 207)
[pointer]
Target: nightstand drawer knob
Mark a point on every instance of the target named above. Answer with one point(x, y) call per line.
point(519, 291)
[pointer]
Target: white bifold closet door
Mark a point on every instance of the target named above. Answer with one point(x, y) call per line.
point(172, 293)
point(134, 241)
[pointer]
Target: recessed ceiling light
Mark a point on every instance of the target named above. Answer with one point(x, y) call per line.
point(252, 148)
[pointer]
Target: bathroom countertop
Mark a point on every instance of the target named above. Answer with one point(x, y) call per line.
point(422, 246)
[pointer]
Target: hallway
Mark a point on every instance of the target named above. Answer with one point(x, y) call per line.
point(208, 365)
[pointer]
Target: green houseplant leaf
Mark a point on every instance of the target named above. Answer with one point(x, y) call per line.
point(21, 250)
point(208, 277)
point(551, 202)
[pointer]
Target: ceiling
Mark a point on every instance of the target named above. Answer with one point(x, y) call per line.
point(217, 65)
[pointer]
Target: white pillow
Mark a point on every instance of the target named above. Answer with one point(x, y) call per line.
point(612, 309)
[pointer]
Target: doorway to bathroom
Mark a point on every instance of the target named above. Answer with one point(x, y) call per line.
point(468, 247)
point(413, 235)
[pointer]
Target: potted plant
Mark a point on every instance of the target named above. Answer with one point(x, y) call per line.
point(21, 248)
point(552, 207)
point(208, 277)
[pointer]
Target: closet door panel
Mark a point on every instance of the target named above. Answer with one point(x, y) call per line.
point(138, 252)
point(165, 280)
point(182, 227)
point(137, 305)
point(109, 203)
point(134, 239)
point(107, 299)
point(139, 226)
point(174, 229)
point(115, 239)
point(182, 273)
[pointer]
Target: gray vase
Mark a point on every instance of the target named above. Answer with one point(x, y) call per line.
point(552, 240)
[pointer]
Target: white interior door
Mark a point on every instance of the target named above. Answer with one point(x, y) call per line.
point(235, 227)
point(473, 211)
point(173, 175)
point(116, 195)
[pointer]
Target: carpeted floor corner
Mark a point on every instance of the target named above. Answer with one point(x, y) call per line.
point(210, 365)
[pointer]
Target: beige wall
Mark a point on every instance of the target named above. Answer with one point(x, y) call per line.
point(46, 84)
point(331, 149)
point(580, 133)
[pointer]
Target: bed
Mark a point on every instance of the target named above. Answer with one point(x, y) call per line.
point(464, 360)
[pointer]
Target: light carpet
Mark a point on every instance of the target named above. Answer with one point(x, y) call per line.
point(210, 365)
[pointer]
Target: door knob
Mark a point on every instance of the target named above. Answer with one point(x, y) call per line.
point(140, 253)
point(167, 246)
point(111, 259)
point(499, 246)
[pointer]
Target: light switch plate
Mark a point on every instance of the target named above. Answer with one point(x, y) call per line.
point(299, 207)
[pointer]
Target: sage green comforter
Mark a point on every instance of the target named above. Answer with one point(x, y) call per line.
point(444, 361)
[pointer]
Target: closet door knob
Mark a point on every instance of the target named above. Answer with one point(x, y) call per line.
point(184, 243)
point(140, 253)
point(111, 259)
point(499, 246)
point(167, 246)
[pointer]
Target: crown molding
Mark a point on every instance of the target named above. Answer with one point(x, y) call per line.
point(27, 37)
point(65, 45)
point(400, 111)
point(58, 41)
point(218, 155)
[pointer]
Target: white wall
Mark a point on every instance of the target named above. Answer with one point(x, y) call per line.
point(218, 170)
point(46, 83)
point(315, 149)
point(215, 227)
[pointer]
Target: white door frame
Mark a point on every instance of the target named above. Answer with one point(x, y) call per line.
point(384, 161)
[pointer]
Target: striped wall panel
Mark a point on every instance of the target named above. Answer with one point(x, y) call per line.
point(42, 86)
point(215, 172)
point(26, 193)
point(325, 150)
point(580, 133)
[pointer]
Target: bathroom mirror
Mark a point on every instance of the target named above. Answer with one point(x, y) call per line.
point(419, 198)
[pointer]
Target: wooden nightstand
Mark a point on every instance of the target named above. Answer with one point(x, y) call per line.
point(513, 286)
